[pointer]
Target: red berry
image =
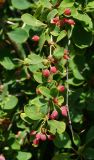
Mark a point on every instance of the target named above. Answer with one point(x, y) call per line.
point(35, 141)
point(71, 22)
point(53, 69)
point(64, 111)
point(32, 133)
point(46, 73)
point(67, 12)
point(2, 157)
point(38, 136)
point(66, 57)
point(51, 137)
point(61, 88)
point(54, 115)
point(43, 137)
point(35, 38)
point(55, 20)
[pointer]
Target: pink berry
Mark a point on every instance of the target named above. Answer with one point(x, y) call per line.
point(64, 111)
point(43, 137)
point(32, 133)
point(61, 88)
point(35, 141)
point(2, 157)
point(53, 69)
point(54, 115)
point(35, 38)
point(38, 136)
point(46, 73)
point(67, 12)
point(71, 22)
point(51, 137)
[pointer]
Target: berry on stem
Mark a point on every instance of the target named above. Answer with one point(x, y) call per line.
point(43, 137)
point(46, 73)
point(54, 115)
point(38, 136)
point(67, 11)
point(61, 88)
point(64, 111)
point(35, 38)
point(53, 69)
point(55, 100)
point(51, 137)
point(35, 141)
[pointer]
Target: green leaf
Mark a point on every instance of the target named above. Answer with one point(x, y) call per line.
point(60, 100)
point(58, 52)
point(56, 126)
point(46, 3)
point(35, 59)
point(88, 153)
point(24, 155)
point(62, 141)
point(7, 63)
point(75, 69)
point(32, 21)
point(90, 135)
point(18, 35)
point(35, 67)
point(75, 82)
point(52, 14)
point(21, 4)
point(33, 112)
point(84, 39)
point(76, 139)
point(62, 156)
point(62, 35)
point(42, 41)
point(9, 102)
point(38, 77)
point(45, 91)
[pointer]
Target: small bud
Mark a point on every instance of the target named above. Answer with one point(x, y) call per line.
point(55, 100)
point(61, 88)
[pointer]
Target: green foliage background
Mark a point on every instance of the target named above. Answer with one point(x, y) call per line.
point(21, 63)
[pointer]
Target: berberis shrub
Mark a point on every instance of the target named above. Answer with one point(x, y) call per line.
point(47, 79)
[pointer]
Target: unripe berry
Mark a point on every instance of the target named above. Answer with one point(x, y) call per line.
point(67, 12)
point(43, 137)
point(32, 133)
point(55, 100)
point(61, 88)
point(38, 136)
point(66, 57)
point(54, 115)
point(53, 69)
point(35, 38)
point(46, 73)
point(2, 157)
point(35, 141)
point(64, 111)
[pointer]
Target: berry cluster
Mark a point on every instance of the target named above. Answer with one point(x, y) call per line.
point(46, 72)
point(39, 136)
